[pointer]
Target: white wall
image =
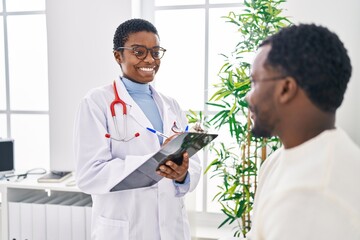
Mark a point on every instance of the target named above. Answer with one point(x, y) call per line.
point(343, 18)
point(80, 57)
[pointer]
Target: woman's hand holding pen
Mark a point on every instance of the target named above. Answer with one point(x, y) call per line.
point(173, 171)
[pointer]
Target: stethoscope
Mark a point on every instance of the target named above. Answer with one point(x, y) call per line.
point(118, 100)
point(124, 105)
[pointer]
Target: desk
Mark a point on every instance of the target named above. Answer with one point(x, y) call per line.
point(17, 192)
point(204, 226)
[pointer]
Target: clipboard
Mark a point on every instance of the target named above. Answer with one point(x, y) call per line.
point(145, 175)
point(190, 142)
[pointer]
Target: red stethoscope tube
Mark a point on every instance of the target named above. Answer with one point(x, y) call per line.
point(118, 100)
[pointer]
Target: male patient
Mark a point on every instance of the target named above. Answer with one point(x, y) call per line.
point(309, 188)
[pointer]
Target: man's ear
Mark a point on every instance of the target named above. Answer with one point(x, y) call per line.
point(288, 89)
point(118, 57)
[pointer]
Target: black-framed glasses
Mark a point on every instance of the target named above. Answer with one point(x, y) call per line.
point(141, 52)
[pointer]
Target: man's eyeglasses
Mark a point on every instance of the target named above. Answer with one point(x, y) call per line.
point(253, 82)
point(141, 52)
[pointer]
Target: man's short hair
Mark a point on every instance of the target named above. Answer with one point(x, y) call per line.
point(316, 58)
point(131, 26)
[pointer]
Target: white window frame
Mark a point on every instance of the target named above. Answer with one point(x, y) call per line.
point(8, 111)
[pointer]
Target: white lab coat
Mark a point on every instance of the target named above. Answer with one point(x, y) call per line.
point(155, 212)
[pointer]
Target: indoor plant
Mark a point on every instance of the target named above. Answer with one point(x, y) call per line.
point(237, 162)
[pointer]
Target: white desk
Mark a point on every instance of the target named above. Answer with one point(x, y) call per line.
point(14, 191)
point(204, 226)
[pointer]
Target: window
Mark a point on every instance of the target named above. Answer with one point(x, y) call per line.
point(24, 104)
point(194, 35)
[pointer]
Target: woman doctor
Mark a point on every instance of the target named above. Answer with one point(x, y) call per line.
point(154, 212)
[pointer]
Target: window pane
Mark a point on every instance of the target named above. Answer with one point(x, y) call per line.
point(200, 188)
point(212, 204)
point(215, 181)
point(28, 62)
point(3, 123)
point(177, 3)
point(2, 68)
point(25, 5)
point(218, 44)
point(31, 137)
point(181, 75)
point(194, 200)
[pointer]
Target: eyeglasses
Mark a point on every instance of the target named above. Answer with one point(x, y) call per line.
point(22, 176)
point(267, 79)
point(141, 52)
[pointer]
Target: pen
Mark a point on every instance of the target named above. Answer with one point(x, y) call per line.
point(157, 132)
point(187, 128)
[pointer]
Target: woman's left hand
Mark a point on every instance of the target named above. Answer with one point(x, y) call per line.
point(173, 171)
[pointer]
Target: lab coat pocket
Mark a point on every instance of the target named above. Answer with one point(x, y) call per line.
point(106, 228)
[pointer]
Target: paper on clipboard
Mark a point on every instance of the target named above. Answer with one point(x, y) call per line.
point(145, 175)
